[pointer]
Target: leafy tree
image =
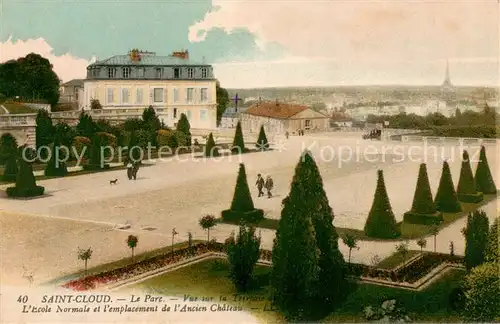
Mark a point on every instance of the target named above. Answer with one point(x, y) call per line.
point(352, 243)
point(85, 256)
point(482, 293)
point(222, 101)
point(86, 126)
point(381, 222)
point(56, 165)
point(184, 127)
point(132, 241)
point(483, 178)
point(31, 78)
point(238, 142)
point(243, 253)
point(207, 222)
point(476, 238)
point(491, 251)
point(466, 189)
point(262, 142)
point(211, 150)
point(95, 104)
point(307, 221)
point(8, 147)
point(151, 124)
point(134, 147)
point(422, 243)
point(434, 232)
point(133, 124)
point(446, 198)
point(96, 158)
point(44, 130)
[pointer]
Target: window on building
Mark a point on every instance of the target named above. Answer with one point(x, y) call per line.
point(176, 95)
point(95, 72)
point(140, 72)
point(159, 73)
point(174, 114)
point(126, 72)
point(125, 95)
point(190, 73)
point(111, 72)
point(203, 114)
point(189, 95)
point(204, 73)
point(111, 95)
point(177, 73)
point(76, 94)
point(139, 96)
point(308, 123)
point(204, 95)
point(188, 114)
point(158, 95)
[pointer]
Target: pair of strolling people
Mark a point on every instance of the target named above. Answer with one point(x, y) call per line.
point(261, 184)
point(132, 169)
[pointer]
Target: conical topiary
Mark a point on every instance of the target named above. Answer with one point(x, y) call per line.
point(25, 182)
point(11, 169)
point(184, 127)
point(242, 207)
point(423, 209)
point(381, 222)
point(446, 197)
point(211, 150)
point(56, 166)
point(466, 189)
point(483, 178)
point(262, 143)
point(238, 142)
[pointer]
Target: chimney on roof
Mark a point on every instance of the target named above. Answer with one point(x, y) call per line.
point(182, 55)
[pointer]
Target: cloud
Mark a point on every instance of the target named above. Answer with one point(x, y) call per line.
point(363, 30)
point(66, 66)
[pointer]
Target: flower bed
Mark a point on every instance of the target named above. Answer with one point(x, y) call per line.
point(133, 270)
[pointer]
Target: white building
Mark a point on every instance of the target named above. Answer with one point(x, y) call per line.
point(171, 84)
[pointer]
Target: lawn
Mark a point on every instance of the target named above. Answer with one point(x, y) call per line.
point(408, 231)
point(209, 278)
point(15, 108)
point(395, 259)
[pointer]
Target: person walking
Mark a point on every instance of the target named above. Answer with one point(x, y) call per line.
point(129, 170)
point(269, 186)
point(260, 184)
point(135, 169)
point(286, 134)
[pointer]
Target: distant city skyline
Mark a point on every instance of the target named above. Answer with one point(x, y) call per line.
point(257, 44)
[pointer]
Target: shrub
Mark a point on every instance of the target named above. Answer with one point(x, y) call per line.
point(184, 127)
point(81, 145)
point(211, 150)
point(446, 197)
point(466, 189)
point(457, 299)
point(381, 222)
point(11, 169)
point(262, 143)
point(484, 180)
point(243, 253)
point(8, 147)
point(476, 237)
point(482, 293)
point(491, 251)
point(238, 142)
point(171, 138)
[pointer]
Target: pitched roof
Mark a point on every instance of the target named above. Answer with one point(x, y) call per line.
point(275, 110)
point(146, 60)
point(73, 83)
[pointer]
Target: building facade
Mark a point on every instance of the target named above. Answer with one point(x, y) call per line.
point(171, 84)
point(72, 93)
point(278, 118)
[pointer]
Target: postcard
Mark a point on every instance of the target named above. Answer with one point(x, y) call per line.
point(219, 161)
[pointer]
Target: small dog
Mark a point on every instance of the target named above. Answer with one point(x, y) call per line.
point(113, 181)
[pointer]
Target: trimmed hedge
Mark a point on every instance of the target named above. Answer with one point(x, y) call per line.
point(476, 131)
point(471, 198)
point(252, 216)
point(424, 219)
point(446, 197)
point(16, 192)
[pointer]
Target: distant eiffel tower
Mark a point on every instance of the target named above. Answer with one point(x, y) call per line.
point(447, 85)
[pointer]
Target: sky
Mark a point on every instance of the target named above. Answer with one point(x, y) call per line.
point(269, 43)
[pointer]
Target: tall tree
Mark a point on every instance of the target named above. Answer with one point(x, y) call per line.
point(446, 197)
point(86, 127)
point(44, 130)
point(57, 165)
point(184, 127)
point(132, 241)
point(466, 188)
point(381, 222)
point(484, 180)
point(222, 101)
point(476, 238)
point(491, 253)
point(211, 150)
point(262, 143)
point(306, 212)
point(243, 253)
point(151, 124)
